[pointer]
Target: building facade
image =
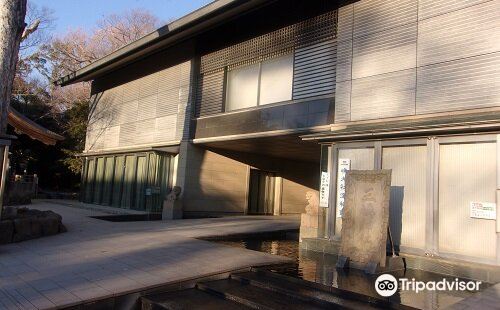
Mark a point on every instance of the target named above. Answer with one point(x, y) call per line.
point(248, 105)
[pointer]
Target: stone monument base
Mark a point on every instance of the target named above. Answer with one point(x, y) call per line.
point(308, 226)
point(392, 263)
point(172, 210)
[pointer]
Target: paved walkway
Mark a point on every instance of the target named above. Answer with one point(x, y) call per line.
point(97, 259)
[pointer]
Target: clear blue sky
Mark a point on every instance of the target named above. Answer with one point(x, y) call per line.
point(85, 13)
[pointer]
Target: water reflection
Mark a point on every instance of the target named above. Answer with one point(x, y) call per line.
point(320, 268)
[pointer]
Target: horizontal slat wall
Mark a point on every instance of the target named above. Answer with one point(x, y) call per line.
point(461, 84)
point(151, 109)
point(314, 70)
point(472, 31)
point(431, 8)
point(385, 51)
point(371, 16)
point(384, 95)
point(398, 58)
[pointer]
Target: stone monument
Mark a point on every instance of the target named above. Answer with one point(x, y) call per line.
point(309, 220)
point(366, 220)
point(172, 207)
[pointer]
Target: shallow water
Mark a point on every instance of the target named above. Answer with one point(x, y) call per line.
point(320, 268)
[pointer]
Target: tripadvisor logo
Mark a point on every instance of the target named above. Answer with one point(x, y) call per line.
point(386, 285)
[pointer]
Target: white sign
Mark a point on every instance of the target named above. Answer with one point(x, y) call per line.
point(324, 190)
point(343, 166)
point(483, 210)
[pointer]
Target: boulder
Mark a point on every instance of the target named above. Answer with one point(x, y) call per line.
point(50, 225)
point(6, 231)
point(36, 228)
point(22, 229)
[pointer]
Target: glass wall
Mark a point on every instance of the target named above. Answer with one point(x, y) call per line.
point(362, 158)
point(130, 181)
point(443, 193)
point(263, 83)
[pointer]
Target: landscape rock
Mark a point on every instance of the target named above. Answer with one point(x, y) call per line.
point(6, 231)
point(22, 229)
point(19, 224)
point(50, 225)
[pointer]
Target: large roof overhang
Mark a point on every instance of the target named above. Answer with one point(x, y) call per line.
point(420, 127)
point(174, 32)
point(23, 124)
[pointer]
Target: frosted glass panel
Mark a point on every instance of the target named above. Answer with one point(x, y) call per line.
point(467, 173)
point(360, 159)
point(408, 194)
point(276, 80)
point(242, 86)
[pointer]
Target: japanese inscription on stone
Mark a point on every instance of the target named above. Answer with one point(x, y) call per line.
point(366, 216)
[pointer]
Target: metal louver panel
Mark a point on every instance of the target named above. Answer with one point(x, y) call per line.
point(210, 94)
point(278, 42)
point(130, 114)
point(314, 70)
point(458, 85)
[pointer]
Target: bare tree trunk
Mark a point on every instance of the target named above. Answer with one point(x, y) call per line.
point(12, 13)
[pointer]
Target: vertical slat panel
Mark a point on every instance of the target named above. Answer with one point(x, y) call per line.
point(408, 194)
point(108, 180)
point(129, 182)
point(467, 173)
point(118, 181)
point(99, 177)
point(140, 183)
point(89, 184)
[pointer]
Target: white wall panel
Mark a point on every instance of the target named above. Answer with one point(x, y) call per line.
point(408, 194)
point(467, 173)
point(127, 115)
point(361, 159)
point(431, 8)
point(385, 51)
point(385, 95)
point(464, 33)
point(343, 102)
point(376, 15)
point(458, 85)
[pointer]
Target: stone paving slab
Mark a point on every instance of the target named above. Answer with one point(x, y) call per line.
point(485, 300)
point(97, 259)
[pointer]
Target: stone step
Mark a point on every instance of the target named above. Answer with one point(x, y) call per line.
point(320, 292)
point(302, 291)
point(188, 299)
point(254, 296)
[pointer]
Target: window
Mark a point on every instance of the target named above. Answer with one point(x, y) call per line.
point(267, 82)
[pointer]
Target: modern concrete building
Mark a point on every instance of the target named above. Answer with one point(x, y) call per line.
point(245, 104)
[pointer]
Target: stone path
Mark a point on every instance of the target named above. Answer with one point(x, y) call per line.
point(97, 259)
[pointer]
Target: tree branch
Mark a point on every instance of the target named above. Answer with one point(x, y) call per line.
point(29, 30)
